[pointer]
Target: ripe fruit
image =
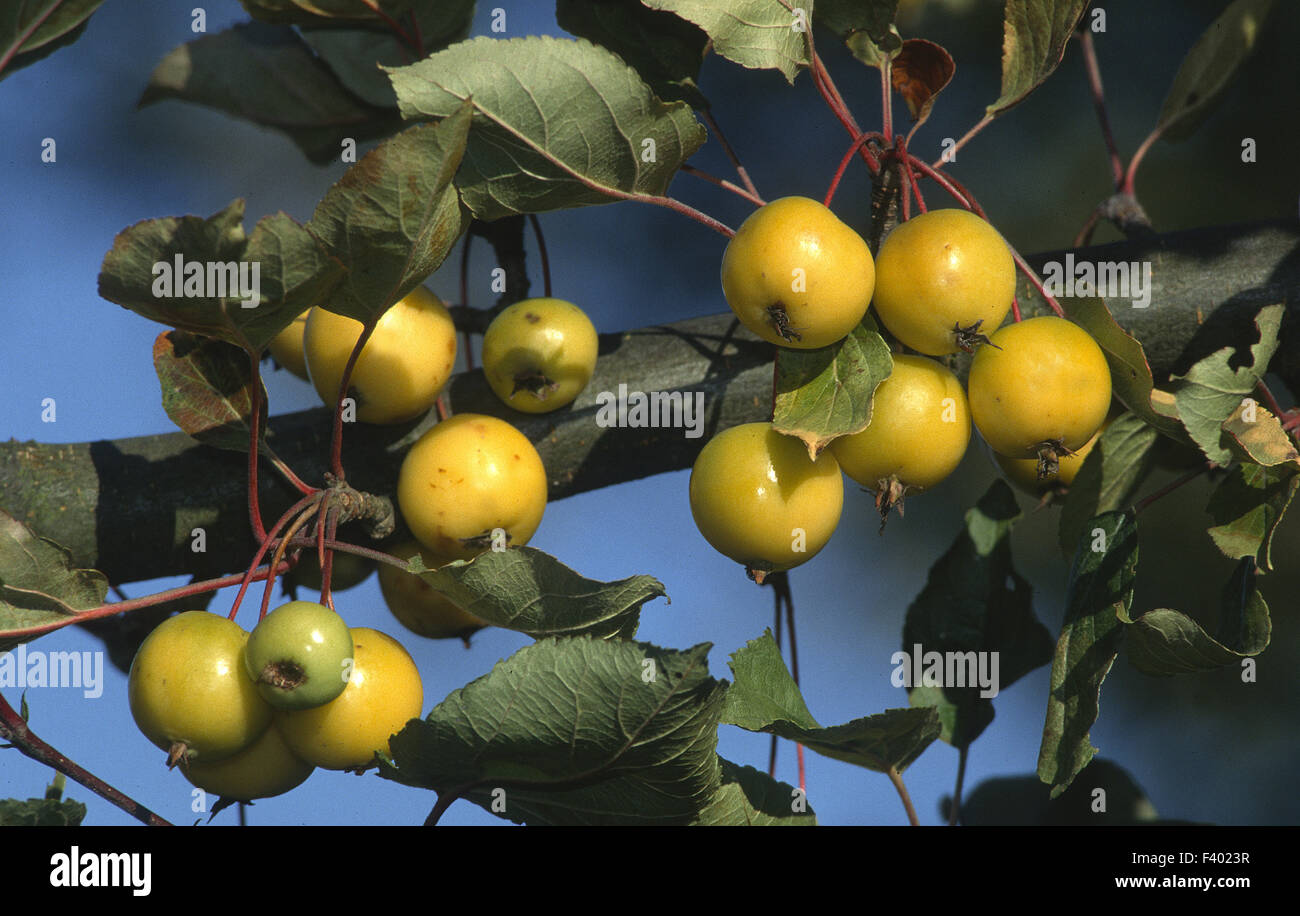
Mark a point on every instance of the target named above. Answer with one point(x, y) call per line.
point(943, 278)
point(402, 367)
point(920, 426)
point(464, 478)
point(1042, 390)
point(297, 655)
point(189, 692)
point(539, 354)
point(796, 276)
point(266, 769)
point(286, 346)
point(1023, 472)
point(383, 693)
point(417, 605)
point(758, 498)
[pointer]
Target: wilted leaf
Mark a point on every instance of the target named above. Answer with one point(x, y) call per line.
point(1255, 435)
point(207, 388)
point(919, 72)
point(1100, 591)
point(557, 123)
point(575, 731)
point(825, 393)
point(527, 590)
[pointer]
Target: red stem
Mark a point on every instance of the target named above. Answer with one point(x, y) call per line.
point(16, 731)
point(844, 164)
point(1130, 177)
point(731, 154)
point(396, 26)
point(336, 439)
point(254, 434)
point(913, 184)
point(886, 99)
point(723, 183)
point(951, 152)
point(1099, 102)
point(1037, 283)
point(1168, 488)
point(291, 513)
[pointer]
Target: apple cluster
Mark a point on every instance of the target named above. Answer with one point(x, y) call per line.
point(795, 275)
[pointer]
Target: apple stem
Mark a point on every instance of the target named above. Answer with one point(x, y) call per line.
point(897, 779)
point(731, 154)
point(961, 778)
point(336, 439)
point(722, 183)
point(541, 250)
point(266, 545)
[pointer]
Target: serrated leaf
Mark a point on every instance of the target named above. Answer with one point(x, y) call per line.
point(1130, 373)
point(1166, 642)
point(39, 586)
point(758, 34)
point(557, 123)
point(355, 55)
point(919, 72)
point(392, 217)
point(289, 269)
point(974, 604)
point(1255, 435)
point(1099, 592)
point(825, 393)
point(207, 388)
point(1247, 507)
point(1215, 386)
point(41, 812)
point(1108, 477)
point(665, 49)
point(575, 731)
point(266, 74)
point(748, 797)
point(1034, 36)
point(31, 30)
point(1023, 801)
point(530, 591)
point(1208, 69)
point(765, 698)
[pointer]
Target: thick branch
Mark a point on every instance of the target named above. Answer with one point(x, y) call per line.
point(127, 507)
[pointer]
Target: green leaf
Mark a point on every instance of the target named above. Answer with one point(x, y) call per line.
point(1108, 477)
point(1247, 507)
point(1215, 387)
point(41, 812)
point(750, 798)
point(1255, 435)
point(1166, 642)
point(557, 123)
point(1099, 592)
point(1023, 801)
point(267, 75)
point(527, 590)
point(355, 55)
point(872, 19)
point(207, 388)
point(575, 731)
point(289, 269)
point(392, 217)
point(305, 12)
point(39, 586)
point(34, 29)
point(1034, 35)
point(975, 604)
point(1210, 66)
point(764, 698)
point(1130, 373)
point(825, 393)
point(666, 50)
point(758, 34)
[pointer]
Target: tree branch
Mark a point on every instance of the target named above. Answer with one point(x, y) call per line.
point(127, 506)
